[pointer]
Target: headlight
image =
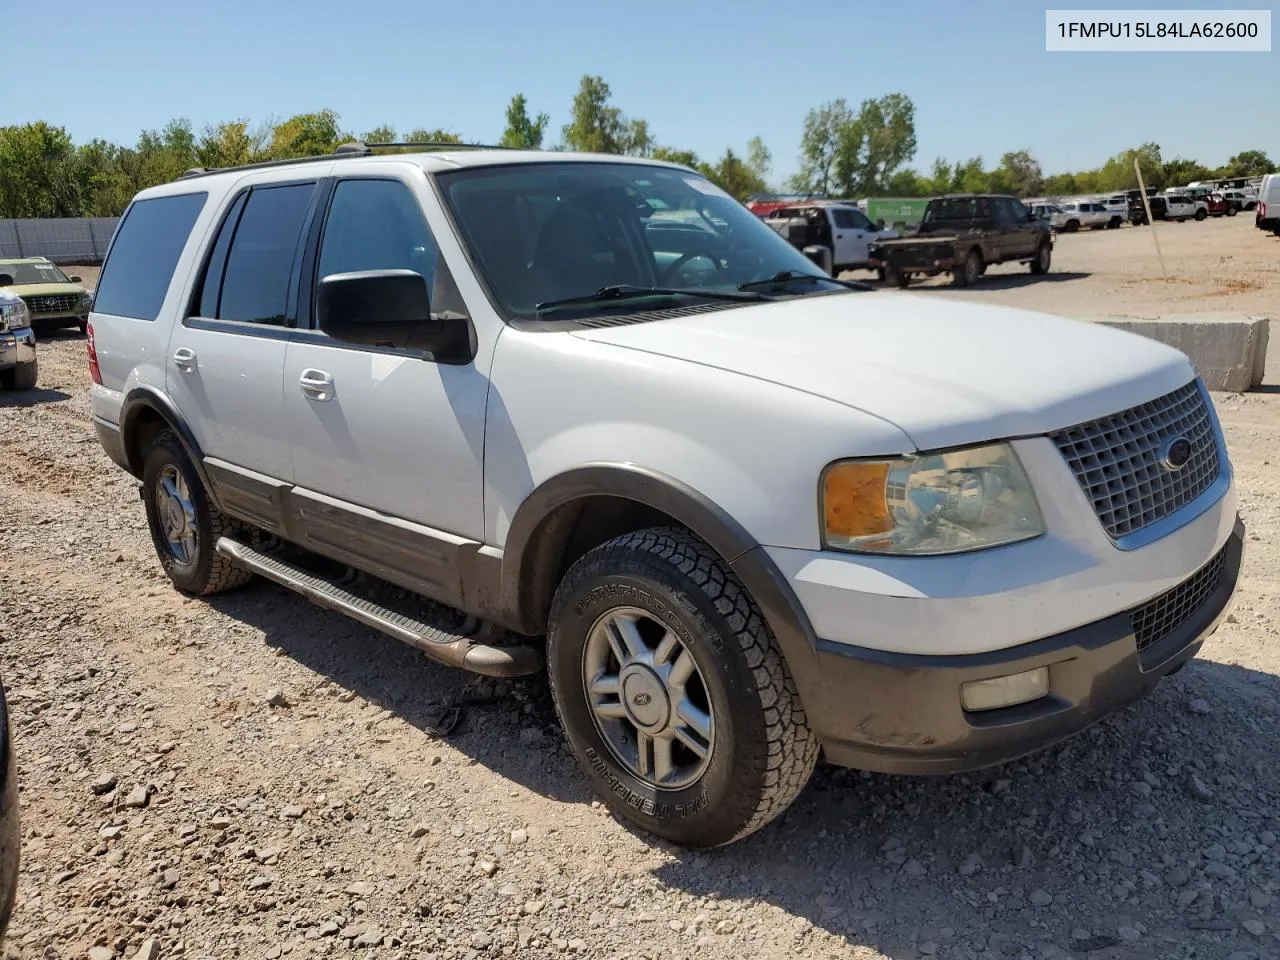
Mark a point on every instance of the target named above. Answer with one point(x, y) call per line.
point(14, 316)
point(933, 503)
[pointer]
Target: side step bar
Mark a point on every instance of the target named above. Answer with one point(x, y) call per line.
point(452, 649)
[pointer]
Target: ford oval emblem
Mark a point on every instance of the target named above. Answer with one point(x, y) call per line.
point(1176, 453)
point(642, 699)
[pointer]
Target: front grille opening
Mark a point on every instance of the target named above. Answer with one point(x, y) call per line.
point(1117, 459)
point(1162, 615)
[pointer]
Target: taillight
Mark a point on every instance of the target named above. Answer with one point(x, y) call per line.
point(92, 351)
point(1262, 209)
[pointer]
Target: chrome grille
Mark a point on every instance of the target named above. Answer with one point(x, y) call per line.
point(1117, 459)
point(1158, 618)
point(52, 303)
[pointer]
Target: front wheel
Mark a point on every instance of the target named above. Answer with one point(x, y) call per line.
point(672, 692)
point(185, 526)
point(1040, 263)
point(1231, 211)
point(21, 377)
point(1200, 214)
point(896, 277)
point(1071, 226)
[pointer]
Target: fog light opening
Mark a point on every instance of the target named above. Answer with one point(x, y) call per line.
point(1007, 691)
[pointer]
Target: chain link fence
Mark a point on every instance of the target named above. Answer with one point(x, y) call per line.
point(62, 240)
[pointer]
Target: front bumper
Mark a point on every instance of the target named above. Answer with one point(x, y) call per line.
point(902, 713)
point(17, 347)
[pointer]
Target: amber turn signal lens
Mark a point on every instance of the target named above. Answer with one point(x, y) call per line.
point(853, 503)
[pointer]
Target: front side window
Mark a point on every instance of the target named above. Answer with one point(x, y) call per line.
point(545, 232)
point(259, 268)
point(377, 225)
point(861, 221)
point(844, 219)
point(144, 253)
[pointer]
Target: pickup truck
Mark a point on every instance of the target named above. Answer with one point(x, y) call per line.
point(844, 230)
point(965, 235)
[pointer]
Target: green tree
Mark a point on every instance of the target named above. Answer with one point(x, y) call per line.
point(307, 135)
point(734, 176)
point(1247, 163)
point(1179, 171)
point(1019, 173)
point(437, 135)
point(521, 131)
point(759, 158)
point(674, 155)
point(38, 176)
point(596, 126)
point(820, 147)
point(385, 133)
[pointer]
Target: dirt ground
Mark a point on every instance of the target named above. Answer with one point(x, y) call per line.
point(252, 777)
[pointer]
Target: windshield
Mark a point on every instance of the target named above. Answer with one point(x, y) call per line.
point(545, 232)
point(33, 272)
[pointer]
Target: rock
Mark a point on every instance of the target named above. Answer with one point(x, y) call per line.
point(111, 832)
point(215, 887)
point(372, 937)
point(329, 929)
point(726, 927)
point(1022, 856)
point(577, 945)
point(101, 953)
point(532, 908)
point(220, 823)
point(1267, 838)
point(138, 797)
point(360, 889)
point(1129, 933)
point(275, 698)
point(1141, 788)
point(434, 761)
point(293, 812)
point(1242, 955)
point(1177, 877)
point(1259, 898)
point(1122, 857)
point(128, 727)
point(1199, 707)
point(419, 830)
point(1080, 933)
point(676, 925)
point(530, 735)
point(519, 836)
point(481, 940)
point(169, 879)
point(1219, 870)
point(1198, 789)
point(1256, 927)
point(619, 903)
point(259, 883)
point(103, 783)
point(487, 867)
point(1215, 851)
point(149, 950)
point(971, 865)
point(914, 868)
point(1041, 898)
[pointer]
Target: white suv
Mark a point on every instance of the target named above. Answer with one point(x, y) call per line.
point(593, 416)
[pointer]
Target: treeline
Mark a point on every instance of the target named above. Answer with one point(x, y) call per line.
point(843, 152)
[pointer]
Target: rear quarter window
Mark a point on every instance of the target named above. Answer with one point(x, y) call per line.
point(144, 253)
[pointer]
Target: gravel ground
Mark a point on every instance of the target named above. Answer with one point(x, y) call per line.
point(253, 777)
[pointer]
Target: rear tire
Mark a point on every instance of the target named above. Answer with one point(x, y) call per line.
point(894, 276)
point(969, 271)
point(1231, 211)
point(185, 525)
point(1200, 214)
point(21, 377)
point(1071, 226)
point(652, 628)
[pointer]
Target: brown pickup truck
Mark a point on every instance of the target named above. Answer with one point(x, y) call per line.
point(964, 235)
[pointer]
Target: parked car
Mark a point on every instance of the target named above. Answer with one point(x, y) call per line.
point(10, 820)
point(54, 299)
point(1217, 206)
point(741, 520)
point(18, 364)
point(1239, 200)
point(1180, 207)
point(1050, 213)
point(1138, 211)
point(843, 229)
point(963, 235)
point(1083, 213)
point(1118, 206)
point(1266, 215)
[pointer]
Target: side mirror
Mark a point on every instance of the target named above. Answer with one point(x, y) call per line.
point(389, 308)
point(821, 256)
point(6, 280)
point(75, 279)
point(880, 223)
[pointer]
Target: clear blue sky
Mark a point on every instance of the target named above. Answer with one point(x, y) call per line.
point(704, 75)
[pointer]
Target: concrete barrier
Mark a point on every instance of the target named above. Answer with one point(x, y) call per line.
point(1228, 350)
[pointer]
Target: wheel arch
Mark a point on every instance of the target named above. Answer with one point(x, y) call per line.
point(546, 536)
point(146, 412)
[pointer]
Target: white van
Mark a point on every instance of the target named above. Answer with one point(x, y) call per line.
point(1267, 213)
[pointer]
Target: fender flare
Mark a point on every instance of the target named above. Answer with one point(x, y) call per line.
point(770, 590)
point(140, 400)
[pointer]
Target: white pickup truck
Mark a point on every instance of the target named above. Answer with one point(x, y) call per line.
point(590, 416)
point(841, 228)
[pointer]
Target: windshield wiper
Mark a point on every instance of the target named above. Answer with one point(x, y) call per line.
point(625, 291)
point(791, 276)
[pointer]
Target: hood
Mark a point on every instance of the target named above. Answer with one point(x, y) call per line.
point(945, 372)
point(46, 289)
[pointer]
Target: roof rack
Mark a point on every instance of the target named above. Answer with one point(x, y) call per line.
point(354, 148)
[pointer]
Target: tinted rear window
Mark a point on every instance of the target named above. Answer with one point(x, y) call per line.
point(144, 254)
point(259, 271)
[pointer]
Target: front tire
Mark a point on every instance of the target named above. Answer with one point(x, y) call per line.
point(1200, 214)
point(672, 692)
point(21, 377)
point(1231, 211)
point(185, 526)
point(969, 271)
point(1043, 258)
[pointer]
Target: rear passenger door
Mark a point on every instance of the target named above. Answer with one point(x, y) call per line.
point(387, 444)
point(226, 359)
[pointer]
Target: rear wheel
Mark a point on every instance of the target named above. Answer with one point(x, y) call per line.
point(1071, 226)
point(896, 277)
point(969, 271)
point(1201, 214)
point(1231, 211)
point(21, 377)
point(185, 526)
point(672, 692)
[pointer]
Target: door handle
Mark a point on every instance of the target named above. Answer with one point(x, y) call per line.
point(316, 384)
point(184, 358)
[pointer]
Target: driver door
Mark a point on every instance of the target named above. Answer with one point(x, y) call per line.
point(849, 239)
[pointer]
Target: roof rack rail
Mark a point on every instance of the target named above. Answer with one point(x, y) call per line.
point(354, 148)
